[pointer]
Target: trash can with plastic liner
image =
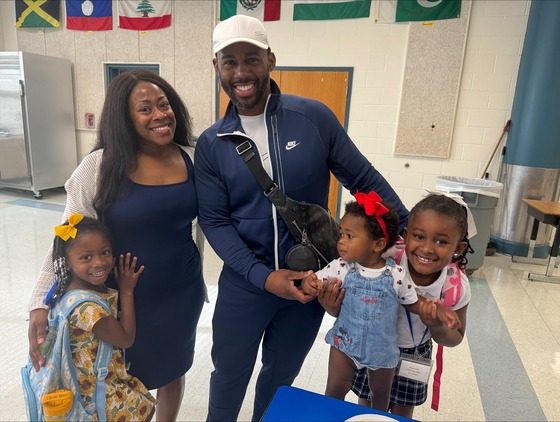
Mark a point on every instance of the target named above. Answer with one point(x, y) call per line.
point(482, 198)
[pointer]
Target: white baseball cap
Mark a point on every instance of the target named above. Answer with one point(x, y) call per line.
point(239, 28)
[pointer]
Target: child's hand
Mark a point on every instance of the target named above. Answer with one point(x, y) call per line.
point(428, 312)
point(126, 274)
point(433, 313)
point(331, 296)
point(311, 285)
point(448, 317)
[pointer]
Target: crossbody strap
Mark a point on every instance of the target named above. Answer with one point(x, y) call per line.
point(278, 198)
point(272, 191)
point(245, 151)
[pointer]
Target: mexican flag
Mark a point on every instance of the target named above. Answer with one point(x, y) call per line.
point(331, 9)
point(417, 10)
point(264, 10)
point(144, 15)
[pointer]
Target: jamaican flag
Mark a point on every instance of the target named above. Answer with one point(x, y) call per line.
point(37, 13)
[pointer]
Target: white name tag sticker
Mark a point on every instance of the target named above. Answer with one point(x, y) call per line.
point(415, 368)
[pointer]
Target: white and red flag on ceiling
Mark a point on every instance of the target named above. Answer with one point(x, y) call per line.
point(144, 15)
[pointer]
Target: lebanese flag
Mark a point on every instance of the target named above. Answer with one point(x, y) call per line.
point(263, 10)
point(144, 15)
point(89, 15)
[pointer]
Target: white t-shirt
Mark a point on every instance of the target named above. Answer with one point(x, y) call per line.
point(255, 128)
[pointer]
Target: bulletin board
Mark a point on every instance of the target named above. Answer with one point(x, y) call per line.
point(432, 76)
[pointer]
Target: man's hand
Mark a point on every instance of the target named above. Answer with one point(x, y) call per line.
point(37, 332)
point(331, 295)
point(281, 284)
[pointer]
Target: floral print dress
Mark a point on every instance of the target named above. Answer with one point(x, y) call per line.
point(127, 398)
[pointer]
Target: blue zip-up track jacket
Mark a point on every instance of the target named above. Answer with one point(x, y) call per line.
point(306, 141)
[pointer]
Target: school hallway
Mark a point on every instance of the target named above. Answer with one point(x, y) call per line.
point(506, 369)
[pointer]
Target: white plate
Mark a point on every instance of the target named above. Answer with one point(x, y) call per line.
point(369, 417)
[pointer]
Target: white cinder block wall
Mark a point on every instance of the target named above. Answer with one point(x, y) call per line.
point(377, 53)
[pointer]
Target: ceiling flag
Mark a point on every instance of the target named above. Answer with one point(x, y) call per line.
point(37, 13)
point(89, 15)
point(144, 15)
point(388, 11)
point(331, 9)
point(264, 10)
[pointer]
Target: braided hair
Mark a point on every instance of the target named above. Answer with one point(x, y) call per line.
point(59, 256)
point(446, 206)
point(372, 226)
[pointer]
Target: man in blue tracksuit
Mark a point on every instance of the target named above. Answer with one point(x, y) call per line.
point(299, 141)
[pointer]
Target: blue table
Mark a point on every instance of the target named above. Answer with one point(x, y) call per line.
point(294, 404)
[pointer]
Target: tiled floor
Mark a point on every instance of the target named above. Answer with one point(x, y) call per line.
point(508, 367)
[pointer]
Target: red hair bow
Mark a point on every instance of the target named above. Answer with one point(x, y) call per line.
point(373, 207)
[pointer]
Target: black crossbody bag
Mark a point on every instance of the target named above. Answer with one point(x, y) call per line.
point(313, 228)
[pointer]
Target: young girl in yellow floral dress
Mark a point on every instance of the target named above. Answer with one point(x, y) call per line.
point(83, 259)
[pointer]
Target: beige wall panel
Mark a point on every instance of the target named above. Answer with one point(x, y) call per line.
point(60, 43)
point(32, 40)
point(157, 47)
point(431, 86)
point(122, 45)
point(85, 139)
point(194, 75)
point(8, 39)
point(88, 74)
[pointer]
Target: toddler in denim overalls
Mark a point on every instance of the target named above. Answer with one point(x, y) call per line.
point(365, 331)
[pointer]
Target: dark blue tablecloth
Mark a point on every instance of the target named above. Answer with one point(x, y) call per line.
point(294, 404)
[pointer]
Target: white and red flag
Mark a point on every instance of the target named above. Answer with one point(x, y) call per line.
point(144, 15)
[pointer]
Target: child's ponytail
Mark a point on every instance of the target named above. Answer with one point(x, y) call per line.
point(461, 259)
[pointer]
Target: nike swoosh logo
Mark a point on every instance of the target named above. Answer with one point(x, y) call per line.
point(291, 145)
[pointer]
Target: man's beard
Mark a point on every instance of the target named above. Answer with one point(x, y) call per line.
point(249, 103)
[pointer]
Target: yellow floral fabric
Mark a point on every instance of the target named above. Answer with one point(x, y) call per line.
point(127, 398)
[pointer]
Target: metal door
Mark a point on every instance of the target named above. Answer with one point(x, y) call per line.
point(14, 168)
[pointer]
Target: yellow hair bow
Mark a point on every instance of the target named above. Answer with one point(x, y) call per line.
point(69, 230)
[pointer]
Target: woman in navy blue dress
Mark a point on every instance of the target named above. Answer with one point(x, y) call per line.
point(139, 180)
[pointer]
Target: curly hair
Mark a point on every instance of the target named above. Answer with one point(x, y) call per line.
point(372, 226)
point(446, 206)
point(59, 255)
point(118, 138)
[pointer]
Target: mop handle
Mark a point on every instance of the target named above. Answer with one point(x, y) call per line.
point(506, 129)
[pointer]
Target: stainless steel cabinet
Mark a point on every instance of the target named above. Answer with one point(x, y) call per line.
point(37, 125)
